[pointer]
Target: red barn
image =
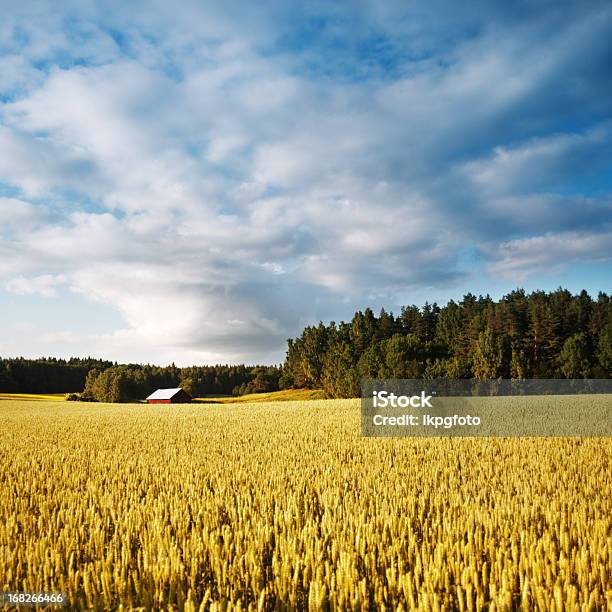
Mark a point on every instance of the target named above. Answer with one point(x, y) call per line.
point(169, 396)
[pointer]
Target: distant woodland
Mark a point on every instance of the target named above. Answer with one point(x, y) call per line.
point(521, 336)
point(47, 375)
point(106, 381)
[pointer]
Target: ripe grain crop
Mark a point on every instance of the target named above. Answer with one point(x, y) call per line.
point(286, 506)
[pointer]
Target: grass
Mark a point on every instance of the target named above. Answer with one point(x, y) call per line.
point(286, 506)
point(288, 395)
point(54, 397)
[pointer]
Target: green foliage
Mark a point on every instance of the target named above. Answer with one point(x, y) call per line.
point(518, 364)
point(404, 357)
point(574, 357)
point(126, 383)
point(305, 355)
point(46, 375)
point(78, 397)
point(129, 382)
point(107, 382)
point(540, 335)
point(488, 356)
point(264, 380)
point(604, 351)
point(339, 376)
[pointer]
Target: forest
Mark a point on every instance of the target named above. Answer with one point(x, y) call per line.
point(125, 383)
point(521, 336)
point(47, 374)
point(106, 381)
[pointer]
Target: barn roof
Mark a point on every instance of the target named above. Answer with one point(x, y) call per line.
point(164, 394)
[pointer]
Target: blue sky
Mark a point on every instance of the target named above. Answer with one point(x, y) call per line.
point(197, 183)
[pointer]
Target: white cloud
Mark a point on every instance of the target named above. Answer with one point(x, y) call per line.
point(533, 165)
point(220, 190)
point(517, 259)
point(16, 214)
point(44, 285)
point(17, 74)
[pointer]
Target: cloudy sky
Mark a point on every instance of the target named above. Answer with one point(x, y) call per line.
point(185, 182)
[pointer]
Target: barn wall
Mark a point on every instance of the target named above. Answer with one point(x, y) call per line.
point(181, 398)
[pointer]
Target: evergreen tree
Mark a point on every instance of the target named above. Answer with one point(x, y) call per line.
point(604, 352)
point(544, 337)
point(574, 357)
point(403, 357)
point(386, 326)
point(339, 376)
point(518, 364)
point(363, 330)
point(448, 327)
point(488, 356)
point(409, 319)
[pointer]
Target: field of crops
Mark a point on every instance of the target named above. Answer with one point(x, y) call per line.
point(286, 505)
point(56, 397)
point(286, 395)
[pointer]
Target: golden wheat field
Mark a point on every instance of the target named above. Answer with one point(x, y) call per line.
point(285, 506)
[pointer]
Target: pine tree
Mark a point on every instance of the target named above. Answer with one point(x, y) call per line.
point(574, 357)
point(488, 356)
point(604, 352)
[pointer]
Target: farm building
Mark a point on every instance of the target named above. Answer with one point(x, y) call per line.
point(169, 396)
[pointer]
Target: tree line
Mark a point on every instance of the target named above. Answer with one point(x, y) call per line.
point(47, 375)
point(107, 381)
point(521, 336)
point(537, 335)
point(124, 383)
